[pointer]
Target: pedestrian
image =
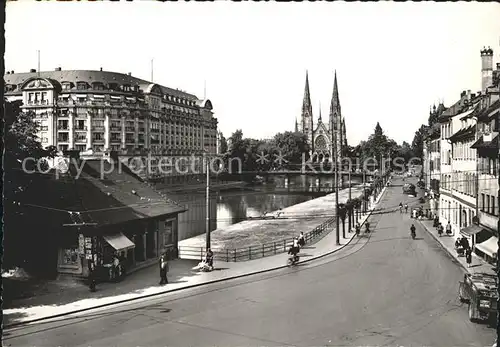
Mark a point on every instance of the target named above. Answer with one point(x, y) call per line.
point(448, 229)
point(163, 269)
point(468, 256)
point(406, 208)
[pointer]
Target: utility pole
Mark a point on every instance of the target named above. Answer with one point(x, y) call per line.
point(208, 205)
point(364, 189)
point(335, 155)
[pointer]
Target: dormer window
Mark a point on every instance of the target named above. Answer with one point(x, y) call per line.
point(97, 86)
point(82, 86)
point(126, 88)
point(66, 85)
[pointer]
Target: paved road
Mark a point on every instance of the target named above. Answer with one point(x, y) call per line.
point(382, 290)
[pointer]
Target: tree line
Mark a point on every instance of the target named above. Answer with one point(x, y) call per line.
point(293, 147)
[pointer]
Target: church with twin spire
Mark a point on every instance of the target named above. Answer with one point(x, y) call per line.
point(321, 136)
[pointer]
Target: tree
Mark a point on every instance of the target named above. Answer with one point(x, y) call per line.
point(223, 144)
point(21, 142)
point(292, 146)
point(417, 145)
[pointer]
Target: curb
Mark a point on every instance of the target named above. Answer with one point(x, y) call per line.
point(59, 315)
point(443, 247)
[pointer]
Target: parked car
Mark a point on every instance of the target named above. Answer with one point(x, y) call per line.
point(479, 290)
point(409, 189)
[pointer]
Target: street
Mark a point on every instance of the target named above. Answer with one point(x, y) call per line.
point(385, 289)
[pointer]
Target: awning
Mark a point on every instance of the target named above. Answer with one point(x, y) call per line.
point(81, 95)
point(98, 96)
point(119, 241)
point(489, 247)
point(115, 97)
point(130, 99)
point(472, 229)
point(64, 96)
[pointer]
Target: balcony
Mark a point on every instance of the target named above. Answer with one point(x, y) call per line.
point(81, 140)
point(62, 139)
point(129, 140)
point(98, 140)
point(63, 127)
point(115, 139)
point(141, 130)
point(155, 130)
point(84, 128)
point(115, 128)
point(98, 128)
point(130, 129)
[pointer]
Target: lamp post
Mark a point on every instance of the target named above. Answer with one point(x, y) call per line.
point(207, 226)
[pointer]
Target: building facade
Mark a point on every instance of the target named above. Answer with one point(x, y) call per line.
point(469, 163)
point(96, 112)
point(323, 138)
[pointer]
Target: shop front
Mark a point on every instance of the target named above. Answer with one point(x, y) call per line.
point(114, 250)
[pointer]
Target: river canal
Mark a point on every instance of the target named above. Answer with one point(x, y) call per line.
point(236, 205)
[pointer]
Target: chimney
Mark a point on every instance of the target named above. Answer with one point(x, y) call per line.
point(12, 72)
point(486, 68)
point(58, 69)
point(498, 66)
point(100, 69)
point(130, 74)
point(463, 94)
point(472, 96)
point(33, 70)
point(8, 72)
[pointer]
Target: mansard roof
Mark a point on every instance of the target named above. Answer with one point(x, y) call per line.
point(91, 76)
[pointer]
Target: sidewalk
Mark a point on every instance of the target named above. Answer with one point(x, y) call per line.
point(145, 282)
point(448, 244)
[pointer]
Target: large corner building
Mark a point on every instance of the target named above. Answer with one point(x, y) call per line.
point(97, 112)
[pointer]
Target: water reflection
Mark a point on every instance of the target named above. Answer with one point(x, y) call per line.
point(230, 207)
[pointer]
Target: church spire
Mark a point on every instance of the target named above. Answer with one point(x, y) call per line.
point(296, 125)
point(307, 94)
point(335, 104)
point(319, 111)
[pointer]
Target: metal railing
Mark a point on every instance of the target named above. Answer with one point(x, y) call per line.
point(256, 251)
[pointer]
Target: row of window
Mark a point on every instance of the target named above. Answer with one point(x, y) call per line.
point(463, 182)
point(487, 204)
point(127, 88)
point(463, 151)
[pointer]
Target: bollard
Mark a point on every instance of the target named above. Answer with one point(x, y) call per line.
point(235, 259)
point(263, 251)
point(201, 253)
point(250, 253)
point(284, 245)
point(227, 255)
point(274, 247)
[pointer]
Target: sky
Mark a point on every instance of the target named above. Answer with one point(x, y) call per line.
point(393, 60)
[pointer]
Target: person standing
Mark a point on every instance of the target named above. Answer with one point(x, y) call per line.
point(468, 256)
point(448, 229)
point(163, 269)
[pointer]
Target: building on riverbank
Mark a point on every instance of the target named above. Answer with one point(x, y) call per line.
point(96, 112)
point(73, 218)
point(321, 137)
